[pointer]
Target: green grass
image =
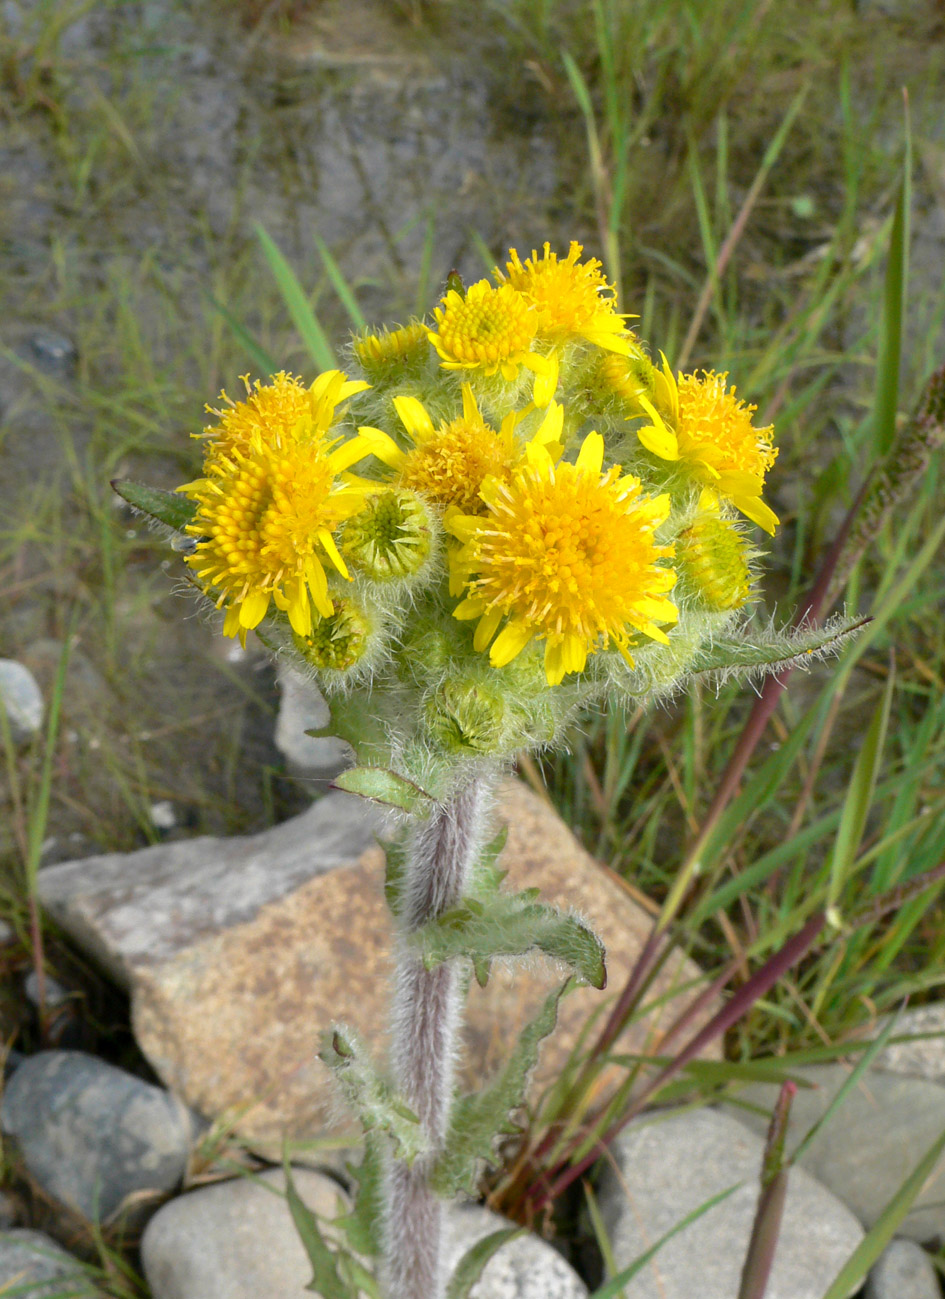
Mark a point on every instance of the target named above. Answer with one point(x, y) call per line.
point(743, 169)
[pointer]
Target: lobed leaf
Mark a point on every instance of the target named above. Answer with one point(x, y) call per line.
point(326, 1280)
point(758, 653)
point(372, 1097)
point(362, 1226)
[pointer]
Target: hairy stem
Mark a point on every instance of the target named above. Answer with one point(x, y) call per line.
point(425, 1023)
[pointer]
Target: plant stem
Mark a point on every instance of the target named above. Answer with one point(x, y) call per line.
point(427, 1006)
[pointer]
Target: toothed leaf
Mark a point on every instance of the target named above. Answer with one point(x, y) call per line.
point(478, 1118)
point(326, 1280)
point(470, 1267)
point(511, 924)
point(362, 1226)
point(384, 786)
point(372, 1097)
point(762, 652)
point(169, 508)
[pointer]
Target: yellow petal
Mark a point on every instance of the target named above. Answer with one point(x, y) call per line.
point(318, 585)
point(414, 417)
point(471, 607)
point(382, 445)
point(253, 609)
point(349, 453)
point(659, 440)
point(756, 510)
point(591, 456)
point(510, 641)
point(300, 611)
point(486, 629)
point(231, 623)
point(328, 541)
point(545, 370)
point(554, 663)
point(470, 409)
point(462, 526)
point(551, 427)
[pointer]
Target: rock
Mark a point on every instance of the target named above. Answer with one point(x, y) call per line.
point(235, 1239)
point(301, 709)
point(669, 1166)
point(525, 1268)
point(53, 352)
point(92, 1135)
point(923, 1058)
point(31, 1263)
point(239, 954)
point(22, 699)
point(903, 1271)
point(870, 1146)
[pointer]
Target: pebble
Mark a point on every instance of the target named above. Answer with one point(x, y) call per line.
point(903, 1271)
point(235, 1239)
point(864, 1154)
point(524, 1268)
point(92, 1135)
point(22, 699)
point(53, 352)
point(667, 1166)
point(923, 1057)
point(32, 1264)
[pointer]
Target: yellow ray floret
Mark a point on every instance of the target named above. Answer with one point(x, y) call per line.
point(281, 408)
point(449, 463)
point(564, 554)
point(267, 509)
point(572, 299)
point(492, 330)
point(702, 424)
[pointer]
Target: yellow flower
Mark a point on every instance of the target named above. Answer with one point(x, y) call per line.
point(492, 330)
point(713, 558)
point(711, 432)
point(280, 407)
point(269, 502)
point(448, 464)
point(564, 554)
point(572, 299)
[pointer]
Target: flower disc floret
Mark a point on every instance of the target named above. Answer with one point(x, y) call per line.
point(283, 407)
point(572, 299)
point(565, 554)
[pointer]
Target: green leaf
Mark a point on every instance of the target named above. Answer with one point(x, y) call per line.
point(340, 284)
point(479, 1117)
point(362, 1226)
point(469, 1268)
point(757, 653)
point(303, 317)
point(372, 1097)
point(894, 291)
point(325, 1278)
point(395, 871)
point(169, 508)
point(384, 787)
point(511, 924)
point(885, 1226)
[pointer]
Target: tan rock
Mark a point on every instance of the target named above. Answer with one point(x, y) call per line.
point(231, 995)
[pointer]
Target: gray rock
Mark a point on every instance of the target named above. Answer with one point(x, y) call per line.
point(234, 1240)
point(925, 1056)
point(669, 1166)
point(53, 352)
point(525, 1268)
point(903, 1271)
point(301, 709)
point(864, 1154)
point(91, 1135)
point(31, 1263)
point(22, 699)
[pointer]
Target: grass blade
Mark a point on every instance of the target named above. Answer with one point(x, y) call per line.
point(303, 317)
point(264, 361)
point(340, 284)
point(890, 351)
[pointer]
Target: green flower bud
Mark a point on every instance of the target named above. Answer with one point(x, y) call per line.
point(391, 353)
point(389, 539)
point(464, 716)
point(712, 562)
point(339, 641)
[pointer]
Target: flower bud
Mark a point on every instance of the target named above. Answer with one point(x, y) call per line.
point(391, 353)
point(464, 716)
point(338, 642)
point(390, 538)
point(712, 563)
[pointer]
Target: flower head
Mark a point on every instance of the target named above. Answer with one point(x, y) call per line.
point(564, 554)
point(572, 299)
point(338, 642)
point(269, 503)
point(713, 558)
point(391, 351)
point(492, 330)
point(282, 407)
point(710, 431)
point(447, 464)
point(390, 538)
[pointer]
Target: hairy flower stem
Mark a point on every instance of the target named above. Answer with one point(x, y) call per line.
point(425, 1023)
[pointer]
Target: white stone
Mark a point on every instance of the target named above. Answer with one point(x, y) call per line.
point(668, 1167)
point(903, 1271)
point(22, 699)
point(301, 709)
point(523, 1268)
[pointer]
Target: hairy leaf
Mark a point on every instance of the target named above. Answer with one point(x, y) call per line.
point(372, 1097)
point(510, 924)
point(479, 1117)
point(383, 786)
point(757, 653)
point(169, 508)
point(395, 872)
point(469, 1268)
point(362, 1226)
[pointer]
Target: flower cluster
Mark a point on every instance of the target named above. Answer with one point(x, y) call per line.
point(509, 511)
